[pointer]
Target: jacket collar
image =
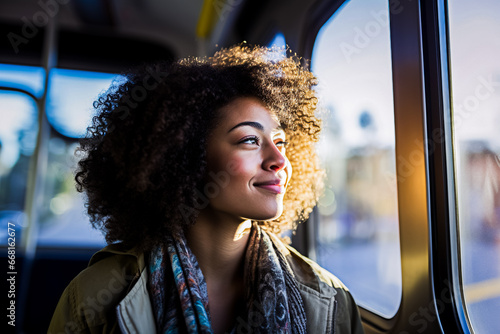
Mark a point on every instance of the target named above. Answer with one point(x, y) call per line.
point(118, 249)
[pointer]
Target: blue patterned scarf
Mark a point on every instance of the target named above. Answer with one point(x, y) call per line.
point(179, 292)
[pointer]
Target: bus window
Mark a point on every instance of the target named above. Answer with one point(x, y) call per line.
point(357, 233)
point(71, 97)
point(28, 78)
point(278, 44)
point(63, 220)
point(18, 134)
point(278, 41)
point(475, 80)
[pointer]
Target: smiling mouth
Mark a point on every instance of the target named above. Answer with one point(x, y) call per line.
point(274, 188)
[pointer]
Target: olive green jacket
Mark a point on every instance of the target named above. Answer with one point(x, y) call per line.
point(111, 296)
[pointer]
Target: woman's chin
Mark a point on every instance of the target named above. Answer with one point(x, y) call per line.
point(268, 215)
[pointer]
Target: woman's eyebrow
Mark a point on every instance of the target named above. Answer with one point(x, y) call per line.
point(256, 125)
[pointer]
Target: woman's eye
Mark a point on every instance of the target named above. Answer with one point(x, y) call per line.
point(250, 140)
point(281, 143)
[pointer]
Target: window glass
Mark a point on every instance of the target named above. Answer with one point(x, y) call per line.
point(474, 31)
point(18, 134)
point(278, 41)
point(71, 94)
point(29, 78)
point(63, 219)
point(358, 235)
point(278, 44)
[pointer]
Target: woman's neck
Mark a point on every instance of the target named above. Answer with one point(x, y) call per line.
point(219, 243)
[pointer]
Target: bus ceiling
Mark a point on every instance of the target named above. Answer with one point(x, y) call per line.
point(112, 35)
point(104, 35)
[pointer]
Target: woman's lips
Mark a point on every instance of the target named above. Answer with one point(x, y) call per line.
point(275, 188)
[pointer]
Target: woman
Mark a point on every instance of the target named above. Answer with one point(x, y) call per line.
point(188, 171)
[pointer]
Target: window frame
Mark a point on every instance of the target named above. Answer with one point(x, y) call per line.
point(426, 204)
point(444, 229)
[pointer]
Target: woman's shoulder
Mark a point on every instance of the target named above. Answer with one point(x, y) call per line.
point(111, 268)
point(90, 299)
point(319, 287)
point(328, 286)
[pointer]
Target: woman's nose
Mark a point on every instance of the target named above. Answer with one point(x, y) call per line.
point(275, 160)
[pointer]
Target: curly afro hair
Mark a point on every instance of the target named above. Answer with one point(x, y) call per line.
point(144, 163)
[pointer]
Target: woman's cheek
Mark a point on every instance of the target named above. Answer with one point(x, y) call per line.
point(233, 166)
point(240, 166)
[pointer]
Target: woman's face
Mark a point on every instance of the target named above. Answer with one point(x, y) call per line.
point(247, 166)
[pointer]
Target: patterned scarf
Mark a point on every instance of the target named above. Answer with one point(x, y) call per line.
point(179, 292)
